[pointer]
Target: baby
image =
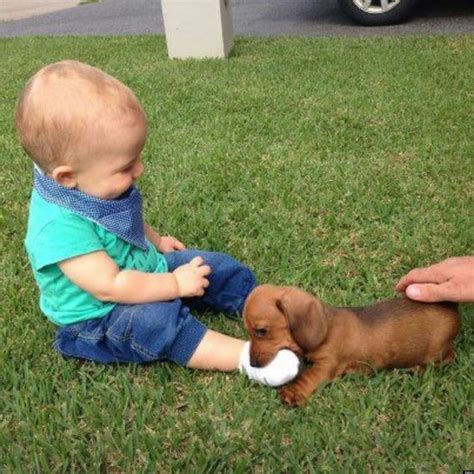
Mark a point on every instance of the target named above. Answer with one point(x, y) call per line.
point(116, 289)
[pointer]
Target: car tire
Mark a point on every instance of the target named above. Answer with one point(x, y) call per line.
point(378, 12)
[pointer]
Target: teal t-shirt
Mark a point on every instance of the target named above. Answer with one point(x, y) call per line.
point(55, 234)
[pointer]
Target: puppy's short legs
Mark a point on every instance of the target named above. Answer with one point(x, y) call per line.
point(417, 369)
point(358, 368)
point(447, 357)
point(443, 357)
point(450, 356)
point(297, 392)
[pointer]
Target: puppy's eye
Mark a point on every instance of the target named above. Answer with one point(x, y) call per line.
point(261, 332)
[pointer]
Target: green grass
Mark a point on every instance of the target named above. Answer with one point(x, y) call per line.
point(332, 164)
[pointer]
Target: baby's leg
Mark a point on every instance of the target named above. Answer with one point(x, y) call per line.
point(230, 282)
point(140, 333)
point(220, 352)
point(217, 351)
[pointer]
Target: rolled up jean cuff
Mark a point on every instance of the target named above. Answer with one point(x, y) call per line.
point(187, 341)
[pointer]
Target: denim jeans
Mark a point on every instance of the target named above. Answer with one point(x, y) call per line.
point(163, 330)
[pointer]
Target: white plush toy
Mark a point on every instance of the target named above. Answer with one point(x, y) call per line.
point(281, 369)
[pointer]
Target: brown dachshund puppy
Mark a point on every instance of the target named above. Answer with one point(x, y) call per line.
point(392, 333)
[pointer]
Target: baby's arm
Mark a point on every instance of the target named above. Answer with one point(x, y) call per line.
point(100, 276)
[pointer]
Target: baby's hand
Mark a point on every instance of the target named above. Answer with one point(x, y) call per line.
point(191, 278)
point(170, 244)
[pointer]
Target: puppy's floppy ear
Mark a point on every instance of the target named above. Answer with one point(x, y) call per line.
point(306, 317)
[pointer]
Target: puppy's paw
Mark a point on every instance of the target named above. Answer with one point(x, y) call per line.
point(292, 395)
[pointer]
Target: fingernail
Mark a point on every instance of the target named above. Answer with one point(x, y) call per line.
point(413, 291)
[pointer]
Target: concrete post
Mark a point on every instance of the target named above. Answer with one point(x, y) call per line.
point(198, 28)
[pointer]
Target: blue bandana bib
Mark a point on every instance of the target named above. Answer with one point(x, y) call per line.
point(122, 216)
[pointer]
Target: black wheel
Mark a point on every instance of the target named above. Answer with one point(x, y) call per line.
point(378, 12)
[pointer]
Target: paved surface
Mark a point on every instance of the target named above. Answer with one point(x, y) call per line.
point(250, 18)
point(16, 9)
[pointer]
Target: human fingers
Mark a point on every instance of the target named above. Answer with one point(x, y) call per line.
point(197, 261)
point(431, 292)
point(200, 266)
point(204, 270)
point(178, 245)
point(174, 243)
point(431, 274)
point(202, 285)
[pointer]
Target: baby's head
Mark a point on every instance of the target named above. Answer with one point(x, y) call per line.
point(83, 128)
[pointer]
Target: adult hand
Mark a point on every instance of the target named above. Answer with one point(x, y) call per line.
point(191, 278)
point(449, 280)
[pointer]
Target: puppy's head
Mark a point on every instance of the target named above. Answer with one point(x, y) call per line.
point(283, 318)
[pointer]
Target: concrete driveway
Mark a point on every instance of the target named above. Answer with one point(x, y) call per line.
point(250, 18)
point(17, 9)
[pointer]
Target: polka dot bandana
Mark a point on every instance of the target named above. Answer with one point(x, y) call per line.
point(122, 216)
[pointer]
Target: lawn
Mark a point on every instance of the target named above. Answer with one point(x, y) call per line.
point(332, 164)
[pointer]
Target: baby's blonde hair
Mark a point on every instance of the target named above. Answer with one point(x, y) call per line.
point(65, 104)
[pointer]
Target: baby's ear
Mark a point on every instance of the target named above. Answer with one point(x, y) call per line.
point(306, 317)
point(65, 176)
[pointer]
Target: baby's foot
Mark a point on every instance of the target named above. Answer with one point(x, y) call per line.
point(281, 369)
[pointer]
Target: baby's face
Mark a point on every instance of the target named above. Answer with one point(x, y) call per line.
point(115, 162)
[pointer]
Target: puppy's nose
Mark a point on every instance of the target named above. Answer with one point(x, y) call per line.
point(254, 362)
